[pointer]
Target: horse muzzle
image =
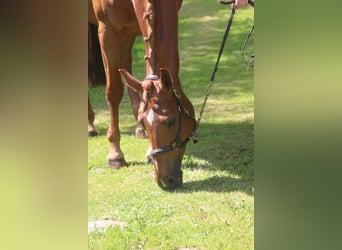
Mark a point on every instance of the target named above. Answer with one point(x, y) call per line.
point(171, 178)
point(170, 182)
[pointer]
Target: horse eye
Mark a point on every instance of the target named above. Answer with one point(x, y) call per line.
point(170, 122)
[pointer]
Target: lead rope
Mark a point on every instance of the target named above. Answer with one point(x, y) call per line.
point(223, 43)
point(250, 62)
point(224, 40)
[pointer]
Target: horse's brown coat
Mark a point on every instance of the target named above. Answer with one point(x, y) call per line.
point(119, 22)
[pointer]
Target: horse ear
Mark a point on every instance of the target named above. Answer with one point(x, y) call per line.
point(131, 82)
point(166, 79)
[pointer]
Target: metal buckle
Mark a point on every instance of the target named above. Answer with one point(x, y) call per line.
point(151, 77)
point(194, 138)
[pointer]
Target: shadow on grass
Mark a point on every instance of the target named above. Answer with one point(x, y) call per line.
point(226, 147)
point(219, 184)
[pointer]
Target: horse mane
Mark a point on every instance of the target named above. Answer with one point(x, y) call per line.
point(154, 35)
point(152, 17)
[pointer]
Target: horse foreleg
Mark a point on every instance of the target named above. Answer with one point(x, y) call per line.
point(115, 158)
point(110, 48)
point(91, 118)
point(140, 131)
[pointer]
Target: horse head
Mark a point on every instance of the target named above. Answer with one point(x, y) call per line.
point(168, 117)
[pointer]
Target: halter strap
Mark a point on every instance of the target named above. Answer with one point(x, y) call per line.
point(176, 145)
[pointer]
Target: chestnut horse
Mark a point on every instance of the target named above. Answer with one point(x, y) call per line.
point(164, 111)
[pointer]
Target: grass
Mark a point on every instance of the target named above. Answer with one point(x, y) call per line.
point(214, 209)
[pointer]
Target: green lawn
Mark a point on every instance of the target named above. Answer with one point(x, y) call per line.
point(214, 209)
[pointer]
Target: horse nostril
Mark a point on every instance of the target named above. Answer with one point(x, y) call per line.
point(170, 181)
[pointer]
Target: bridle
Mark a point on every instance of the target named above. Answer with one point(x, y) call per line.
point(177, 143)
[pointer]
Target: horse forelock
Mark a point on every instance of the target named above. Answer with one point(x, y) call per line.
point(152, 89)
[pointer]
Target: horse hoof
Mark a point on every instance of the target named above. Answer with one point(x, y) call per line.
point(117, 163)
point(140, 132)
point(91, 130)
point(92, 133)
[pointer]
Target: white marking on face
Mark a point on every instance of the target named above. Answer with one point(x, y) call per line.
point(150, 117)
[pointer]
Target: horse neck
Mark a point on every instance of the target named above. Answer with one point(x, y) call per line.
point(168, 37)
point(158, 21)
point(159, 27)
